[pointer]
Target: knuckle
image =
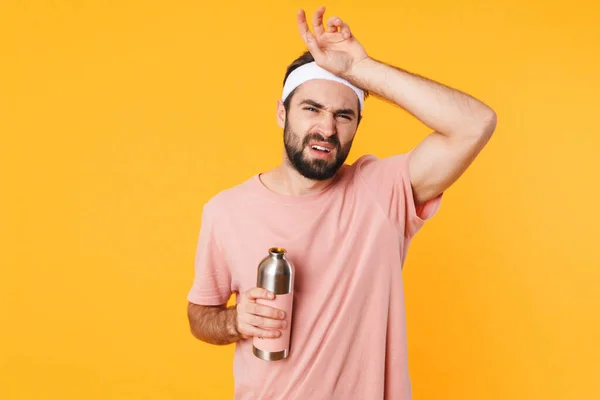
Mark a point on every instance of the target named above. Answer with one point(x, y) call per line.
point(278, 323)
point(271, 313)
point(267, 312)
point(243, 315)
point(257, 321)
point(259, 310)
point(243, 328)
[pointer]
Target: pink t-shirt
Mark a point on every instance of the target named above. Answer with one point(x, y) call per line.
point(348, 244)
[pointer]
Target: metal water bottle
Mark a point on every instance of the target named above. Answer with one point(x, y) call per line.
point(276, 273)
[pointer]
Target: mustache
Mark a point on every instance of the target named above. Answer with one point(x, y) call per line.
point(319, 138)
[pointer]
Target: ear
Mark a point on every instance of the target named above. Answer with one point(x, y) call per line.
point(280, 114)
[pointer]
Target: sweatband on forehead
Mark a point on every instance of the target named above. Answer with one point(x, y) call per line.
point(313, 71)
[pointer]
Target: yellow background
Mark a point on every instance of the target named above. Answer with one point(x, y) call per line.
point(119, 119)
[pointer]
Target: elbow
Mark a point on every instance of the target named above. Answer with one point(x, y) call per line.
point(480, 127)
point(195, 333)
point(193, 318)
point(489, 122)
point(486, 123)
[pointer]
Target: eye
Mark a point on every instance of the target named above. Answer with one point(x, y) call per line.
point(347, 117)
point(310, 109)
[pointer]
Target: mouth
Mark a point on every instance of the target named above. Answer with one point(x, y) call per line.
point(323, 147)
point(320, 148)
point(322, 151)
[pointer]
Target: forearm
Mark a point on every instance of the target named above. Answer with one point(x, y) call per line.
point(443, 109)
point(214, 325)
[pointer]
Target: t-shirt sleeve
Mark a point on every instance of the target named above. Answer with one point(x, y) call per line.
point(212, 275)
point(388, 179)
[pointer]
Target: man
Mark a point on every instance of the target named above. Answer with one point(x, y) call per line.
point(345, 227)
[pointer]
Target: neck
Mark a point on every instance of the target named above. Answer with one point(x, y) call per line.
point(285, 180)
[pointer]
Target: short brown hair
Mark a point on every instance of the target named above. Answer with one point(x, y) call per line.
point(304, 58)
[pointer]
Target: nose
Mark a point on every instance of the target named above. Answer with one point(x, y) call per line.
point(327, 124)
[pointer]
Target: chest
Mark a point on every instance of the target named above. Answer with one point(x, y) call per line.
point(339, 243)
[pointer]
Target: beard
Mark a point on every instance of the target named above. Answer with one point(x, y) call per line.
point(314, 169)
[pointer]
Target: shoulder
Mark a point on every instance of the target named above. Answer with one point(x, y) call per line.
point(223, 202)
point(370, 164)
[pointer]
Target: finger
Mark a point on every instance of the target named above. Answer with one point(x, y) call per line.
point(265, 311)
point(261, 322)
point(345, 29)
point(318, 21)
point(249, 331)
point(308, 37)
point(303, 25)
point(333, 24)
point(260, 293)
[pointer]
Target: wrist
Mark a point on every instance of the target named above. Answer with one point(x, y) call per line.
point(360, 70)
point(231, 324)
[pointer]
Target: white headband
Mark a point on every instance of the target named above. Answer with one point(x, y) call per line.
point(313, 71)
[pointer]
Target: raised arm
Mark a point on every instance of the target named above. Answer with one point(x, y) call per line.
point(461, 124)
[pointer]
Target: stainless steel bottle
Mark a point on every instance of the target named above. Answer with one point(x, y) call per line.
point(276, 273)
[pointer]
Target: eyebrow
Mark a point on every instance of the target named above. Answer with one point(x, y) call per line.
point(343, 111)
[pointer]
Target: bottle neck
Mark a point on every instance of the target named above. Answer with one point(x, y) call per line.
point(277, 253)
